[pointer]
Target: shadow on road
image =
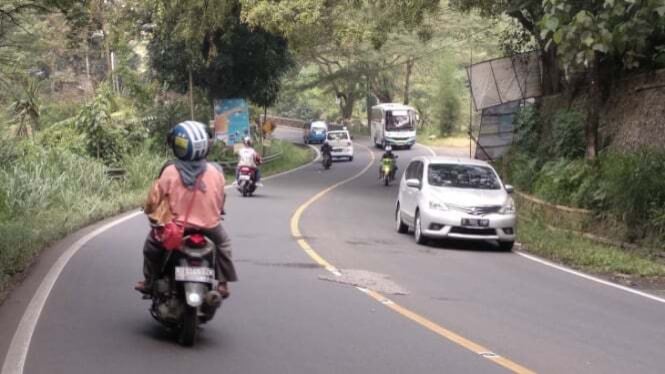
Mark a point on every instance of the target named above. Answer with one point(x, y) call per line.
point(465, 245)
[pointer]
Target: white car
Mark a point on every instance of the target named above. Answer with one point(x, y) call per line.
point(441, 197)
point(341, 143)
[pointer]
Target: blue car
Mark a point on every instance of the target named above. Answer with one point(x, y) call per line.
point(315, 132)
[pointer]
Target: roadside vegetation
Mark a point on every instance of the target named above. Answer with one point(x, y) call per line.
point(90, 89)
point(562, 154)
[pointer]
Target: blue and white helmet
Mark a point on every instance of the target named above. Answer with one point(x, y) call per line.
point(189, 141)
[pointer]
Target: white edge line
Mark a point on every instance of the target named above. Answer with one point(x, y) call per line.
point(589, 277)
point(428, 148)
point(20, 344)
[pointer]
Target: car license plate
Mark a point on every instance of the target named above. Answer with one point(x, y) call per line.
point(338, 149)
point(189, 274)
point(475, 222)
point(244, 177)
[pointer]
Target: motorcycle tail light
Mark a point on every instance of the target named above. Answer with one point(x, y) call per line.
point(245, 169)
point(196, 240)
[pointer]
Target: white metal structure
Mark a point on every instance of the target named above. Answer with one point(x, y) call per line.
point(442, 197)
point(341, 143)
point(393, 124)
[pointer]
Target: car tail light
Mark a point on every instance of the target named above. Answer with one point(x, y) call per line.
point(348, 143)
point(196, 240)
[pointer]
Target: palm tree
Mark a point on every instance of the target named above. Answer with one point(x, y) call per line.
point(25, 108)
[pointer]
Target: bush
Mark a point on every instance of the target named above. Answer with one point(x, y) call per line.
point(566, 182)
point(63, 137)
point(634, 189)
point(522, 170)
point(447, 101)
point(527, 130)
point(567, 135)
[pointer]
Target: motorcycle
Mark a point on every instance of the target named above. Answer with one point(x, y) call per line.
point(387, 173)
point(184, 294)
point(246, 181)
point(326, 160)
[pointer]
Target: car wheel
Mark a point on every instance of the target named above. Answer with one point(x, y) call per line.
point(350, 158)
point(418, 231)
point(506, 246)
point(401, 227)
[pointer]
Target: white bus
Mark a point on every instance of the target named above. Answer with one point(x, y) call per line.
point(393, 124)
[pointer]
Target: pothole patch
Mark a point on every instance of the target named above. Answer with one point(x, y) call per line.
point(366, 279)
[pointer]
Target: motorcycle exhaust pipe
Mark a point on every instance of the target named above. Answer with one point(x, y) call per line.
point(213, 299)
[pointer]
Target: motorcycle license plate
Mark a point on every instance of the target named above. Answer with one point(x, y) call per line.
point(189, 274)
point(475, 222)
point(244, 177)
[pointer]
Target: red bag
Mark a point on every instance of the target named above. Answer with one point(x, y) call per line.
point(172, 233)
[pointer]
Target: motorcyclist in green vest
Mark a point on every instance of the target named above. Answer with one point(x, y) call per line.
point(389, 155)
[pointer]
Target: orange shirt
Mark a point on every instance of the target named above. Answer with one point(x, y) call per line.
point(207, 204)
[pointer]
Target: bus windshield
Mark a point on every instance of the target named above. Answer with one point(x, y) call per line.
point(399, 120)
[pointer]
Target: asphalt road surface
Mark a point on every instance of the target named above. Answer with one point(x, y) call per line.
point(451, 307)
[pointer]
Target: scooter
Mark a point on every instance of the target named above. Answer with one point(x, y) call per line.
point(184, 293)
point(246, 181)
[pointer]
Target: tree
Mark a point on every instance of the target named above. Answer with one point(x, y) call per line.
point(225, 56)
point(25, 107)
point(592, 36)
point(345, 40)
point(527, 14)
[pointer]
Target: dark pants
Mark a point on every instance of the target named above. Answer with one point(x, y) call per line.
point(153, 255)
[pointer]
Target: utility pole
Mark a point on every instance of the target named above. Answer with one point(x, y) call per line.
point(191, 94)
point(470, 95)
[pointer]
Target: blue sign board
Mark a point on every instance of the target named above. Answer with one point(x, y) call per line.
point(231, 120)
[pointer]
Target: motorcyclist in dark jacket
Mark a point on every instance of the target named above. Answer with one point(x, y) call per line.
point(326, 148)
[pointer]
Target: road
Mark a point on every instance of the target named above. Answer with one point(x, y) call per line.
point(467, 308)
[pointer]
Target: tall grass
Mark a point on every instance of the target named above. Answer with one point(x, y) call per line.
point(48, 193)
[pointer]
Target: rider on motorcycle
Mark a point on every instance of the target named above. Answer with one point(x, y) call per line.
point(170, 197)
point(388, 154)
point(249, 157)
point(326, 148)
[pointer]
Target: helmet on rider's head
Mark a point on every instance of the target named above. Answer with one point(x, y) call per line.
point(389, 148)
point(247, 141)
point(189, 140)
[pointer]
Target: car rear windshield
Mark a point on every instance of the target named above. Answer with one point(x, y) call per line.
point(463, 176)
point(338, 136)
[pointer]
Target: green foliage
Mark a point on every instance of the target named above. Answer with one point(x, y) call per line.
point(622, 29)
point(634, 189)
point(25, 106)
point(522, 170)
point(527, 130)
point(104, 139)
point(446, 99)
point(567, 136)
point(63, 137)
point(579, 253)
point(226, 57)
point(565, 182)
point(627, 187)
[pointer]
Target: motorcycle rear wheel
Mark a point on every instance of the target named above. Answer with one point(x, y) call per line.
point(190, 322)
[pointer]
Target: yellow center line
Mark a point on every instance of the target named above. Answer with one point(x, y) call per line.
point(407, 313)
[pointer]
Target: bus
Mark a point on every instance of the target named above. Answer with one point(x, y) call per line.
point(393, 124)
